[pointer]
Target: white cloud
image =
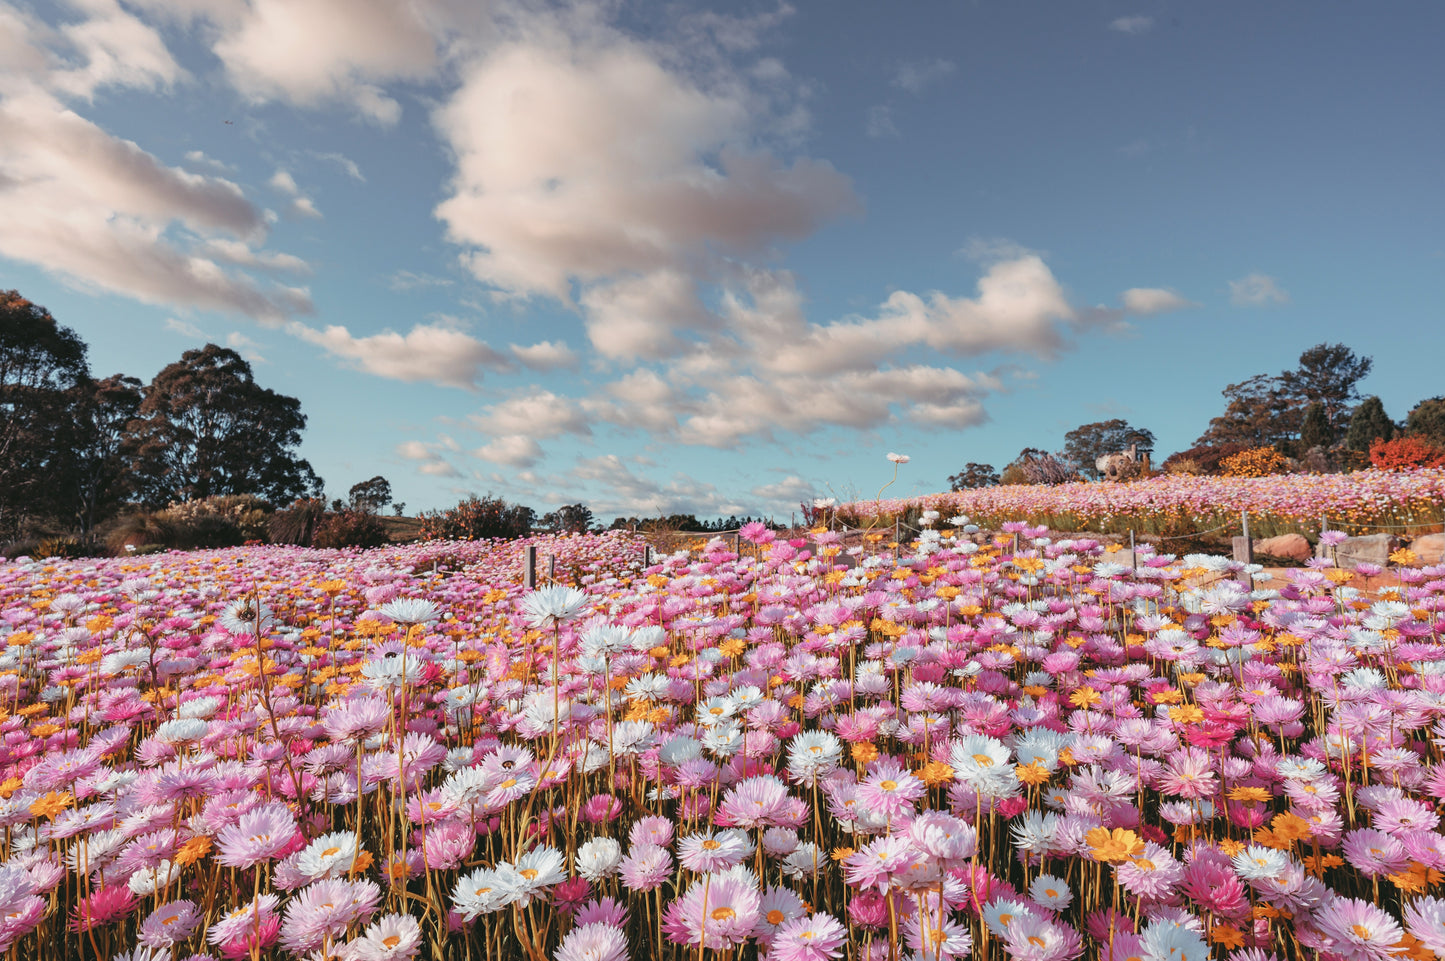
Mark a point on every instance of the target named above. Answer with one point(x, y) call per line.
point(787, 493)
point(879, 123)
point(246, 347)
point(638, 316)
point(117, 49)
point(344, 162)
point(105, 213)
point(311, 52)
point(1257, 290)
point(427, 353)
point(304, 207)
point(915, 76)
point(515, 450)
point(580, 161)
point(283, 182)
point(404, 280)
point(428, 459)
point(624, 492)
point(538, 413)
point(545, 355)
point(1145, 301)
point(1134, 26)
point(184, 328)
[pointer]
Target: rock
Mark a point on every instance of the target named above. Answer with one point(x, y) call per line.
point(1288, 546)
point(1430, 549)
point(1354, 551)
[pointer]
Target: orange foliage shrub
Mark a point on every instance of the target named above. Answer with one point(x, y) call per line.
point(1255, 462)
point(1405, 453)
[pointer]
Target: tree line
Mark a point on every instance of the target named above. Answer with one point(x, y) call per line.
point(1313, 415)
point(76, 449)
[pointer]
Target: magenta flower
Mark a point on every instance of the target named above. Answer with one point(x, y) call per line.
point(817, 937)
point(258, 836)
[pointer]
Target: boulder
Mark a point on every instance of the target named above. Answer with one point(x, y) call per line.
point(1430, 549)
point(1354, 551)
point(1288, 546)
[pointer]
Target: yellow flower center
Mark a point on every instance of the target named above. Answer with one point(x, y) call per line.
point(775, 916)
point(391, 941)
point(330, 851)
point(711, 845)
point(889, 785)
point(528, 873)
point(983, 760)
point(724, 914)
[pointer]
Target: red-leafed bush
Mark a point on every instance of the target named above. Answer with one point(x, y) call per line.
point(1406, 453)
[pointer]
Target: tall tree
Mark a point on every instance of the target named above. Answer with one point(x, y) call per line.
point(1087, 443)
point(1427, 419)
point(370, 496)
point(98, 474)
point(973, 476)
point(207, 428)
point(1260, 411)
point(1266, 410)
point(1329, 375)
point(1368, 423)
point(1316, 430)
point(40, 363)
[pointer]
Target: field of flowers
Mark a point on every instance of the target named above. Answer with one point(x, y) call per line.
point(1359, 502)
point(941, 749)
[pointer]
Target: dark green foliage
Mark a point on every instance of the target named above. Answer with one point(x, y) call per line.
point(350, 529)
point(206, 428)
point(1368, 423)
point(569, 518)
point(41, 362)
point(973, 476)
point(1428, 420)
point(370, 496)
point(1265, 409)
point(1316, 430)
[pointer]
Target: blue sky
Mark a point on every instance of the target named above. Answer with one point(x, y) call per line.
point(721, 258)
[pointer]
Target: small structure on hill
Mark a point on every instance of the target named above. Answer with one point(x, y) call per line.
point(1124, 464)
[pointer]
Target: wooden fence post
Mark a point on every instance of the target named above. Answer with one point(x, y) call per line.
point(529, 568)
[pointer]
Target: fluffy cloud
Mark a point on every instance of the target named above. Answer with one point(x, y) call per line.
point(915, 76)
point(624, 492)
point(1257, 290)
point(1133, 26)
point(586, 161)
point(311, 52)
point(1145, 301)
point(514, 450)
point(544, 356)
point(639, 317)
point(428, 352)
point(428, 459)
point(99, 209)
point(537, 413)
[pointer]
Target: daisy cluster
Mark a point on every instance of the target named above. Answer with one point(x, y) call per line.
point(1359, 500)
point(781, 749)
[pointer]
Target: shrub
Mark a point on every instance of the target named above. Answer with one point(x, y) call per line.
point(476, 518)
point(248, 514)
point(350, 528)
point(133, 530)
point(297, 524)
point(1183, 466)
point(1255, 462)
point(1406, 453)
point(69, 548)
point(1207, 457)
